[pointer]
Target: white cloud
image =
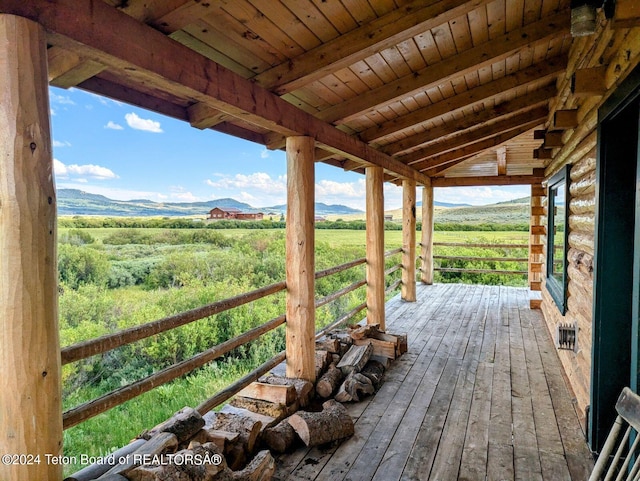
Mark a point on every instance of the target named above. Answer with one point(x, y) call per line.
point(60, 99)
point(113, 126)
point(88, 170)
point(264, 154)
point(57, 143)
point(258, 181)
point(138, 123)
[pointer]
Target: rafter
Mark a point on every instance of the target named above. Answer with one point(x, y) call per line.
point(382, 33)
point(439, 163)
point(547, 70)
point(452, 67)
point(66, 69)
point(135, 48)
point(487, 130)
point(538, 97)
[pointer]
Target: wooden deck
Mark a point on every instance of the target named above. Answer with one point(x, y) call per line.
point(479, 396)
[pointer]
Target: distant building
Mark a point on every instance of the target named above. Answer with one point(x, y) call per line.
point(232, 213)
point(320, 218)
point(388, 217)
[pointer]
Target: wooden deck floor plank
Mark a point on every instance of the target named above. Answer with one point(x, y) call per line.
point(525, 444)
point(426, 367)
point(469, 401)
point(578, 457)
point(500, 455)
point(446, 465)
point(424, 451)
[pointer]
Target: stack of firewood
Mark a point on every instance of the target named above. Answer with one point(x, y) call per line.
point(274, 414)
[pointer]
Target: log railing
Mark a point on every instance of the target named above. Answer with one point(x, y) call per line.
point(507, 247)
point(109, 342)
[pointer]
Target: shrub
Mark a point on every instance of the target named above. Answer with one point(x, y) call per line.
point(81, 265)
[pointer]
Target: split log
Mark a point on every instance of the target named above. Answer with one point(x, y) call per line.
point(316, 428)
point(355, 359)
point(380, 348)
point(184, 424)
point(354, 387)
point(96, 470)
point(274, 410)
point(323, 359)
point(261, 468)
point(304, 388)
point(381, 359)
point(266, 421)
point(186, 469)
point(280, 438)
point(343, 336)
point(362, 332)
point(329, 382)
point(374, 370)
point(247, 428)
point(161, 443)
point(344, 347)
point(222, 439)
point(335, 358)
point(328, 344)
point(280, 394)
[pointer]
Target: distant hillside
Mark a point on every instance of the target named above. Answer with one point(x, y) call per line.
point(77, 202)
point(444, 204)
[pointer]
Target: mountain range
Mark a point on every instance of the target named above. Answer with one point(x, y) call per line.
point(78, 202)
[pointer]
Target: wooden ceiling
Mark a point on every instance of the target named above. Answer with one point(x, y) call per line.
point(446, 88)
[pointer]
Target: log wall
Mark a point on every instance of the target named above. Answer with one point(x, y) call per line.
point(619, 51)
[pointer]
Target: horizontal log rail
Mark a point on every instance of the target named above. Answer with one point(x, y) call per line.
point(464, 244)
point(109, 342)
point(490, 259)
point(478, 271)
point(119, 396)
point(86, 349)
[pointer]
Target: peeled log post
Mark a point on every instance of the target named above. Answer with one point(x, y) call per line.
point(300, 270)
point(317, 428)
point(30, 401)
point(408, 288)
point(426, 274)
point(375, 245)
point(329, 382)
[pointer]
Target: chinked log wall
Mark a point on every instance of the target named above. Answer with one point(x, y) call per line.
point(619, 51)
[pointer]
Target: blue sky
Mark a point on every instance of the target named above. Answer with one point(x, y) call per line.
point(124, 152)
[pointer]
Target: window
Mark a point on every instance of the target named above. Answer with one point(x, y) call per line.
point(557, 237)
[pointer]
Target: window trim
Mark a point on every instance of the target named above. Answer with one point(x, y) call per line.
point(557, 289)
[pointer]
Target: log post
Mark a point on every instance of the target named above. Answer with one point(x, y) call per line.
point(427, 235)
point(408, 290)
point(300, 265)
point(30, 405)
point(375, 246)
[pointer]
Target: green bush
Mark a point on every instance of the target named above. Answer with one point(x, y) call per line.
point(82, 265)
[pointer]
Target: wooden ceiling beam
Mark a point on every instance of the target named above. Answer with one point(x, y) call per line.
point(385, 32)
point(536, 178)
point(529, 101)
point(66, 69)
point(433, 165)
point(453, 67)
point(546, 70)
point(489, 130)
point(108, 36)
point(501, 159)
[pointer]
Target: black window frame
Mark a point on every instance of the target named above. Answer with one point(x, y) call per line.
point(558, 289)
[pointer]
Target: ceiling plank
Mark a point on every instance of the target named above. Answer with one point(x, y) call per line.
point(489, 130)
point(536, 178)
point(510, 107)
point(104, 34)
point(442, 162)
point(382, 33)
point(548, 69)
point(452, 67)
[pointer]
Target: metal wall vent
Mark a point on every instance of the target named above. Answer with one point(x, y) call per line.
point(567, 336)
